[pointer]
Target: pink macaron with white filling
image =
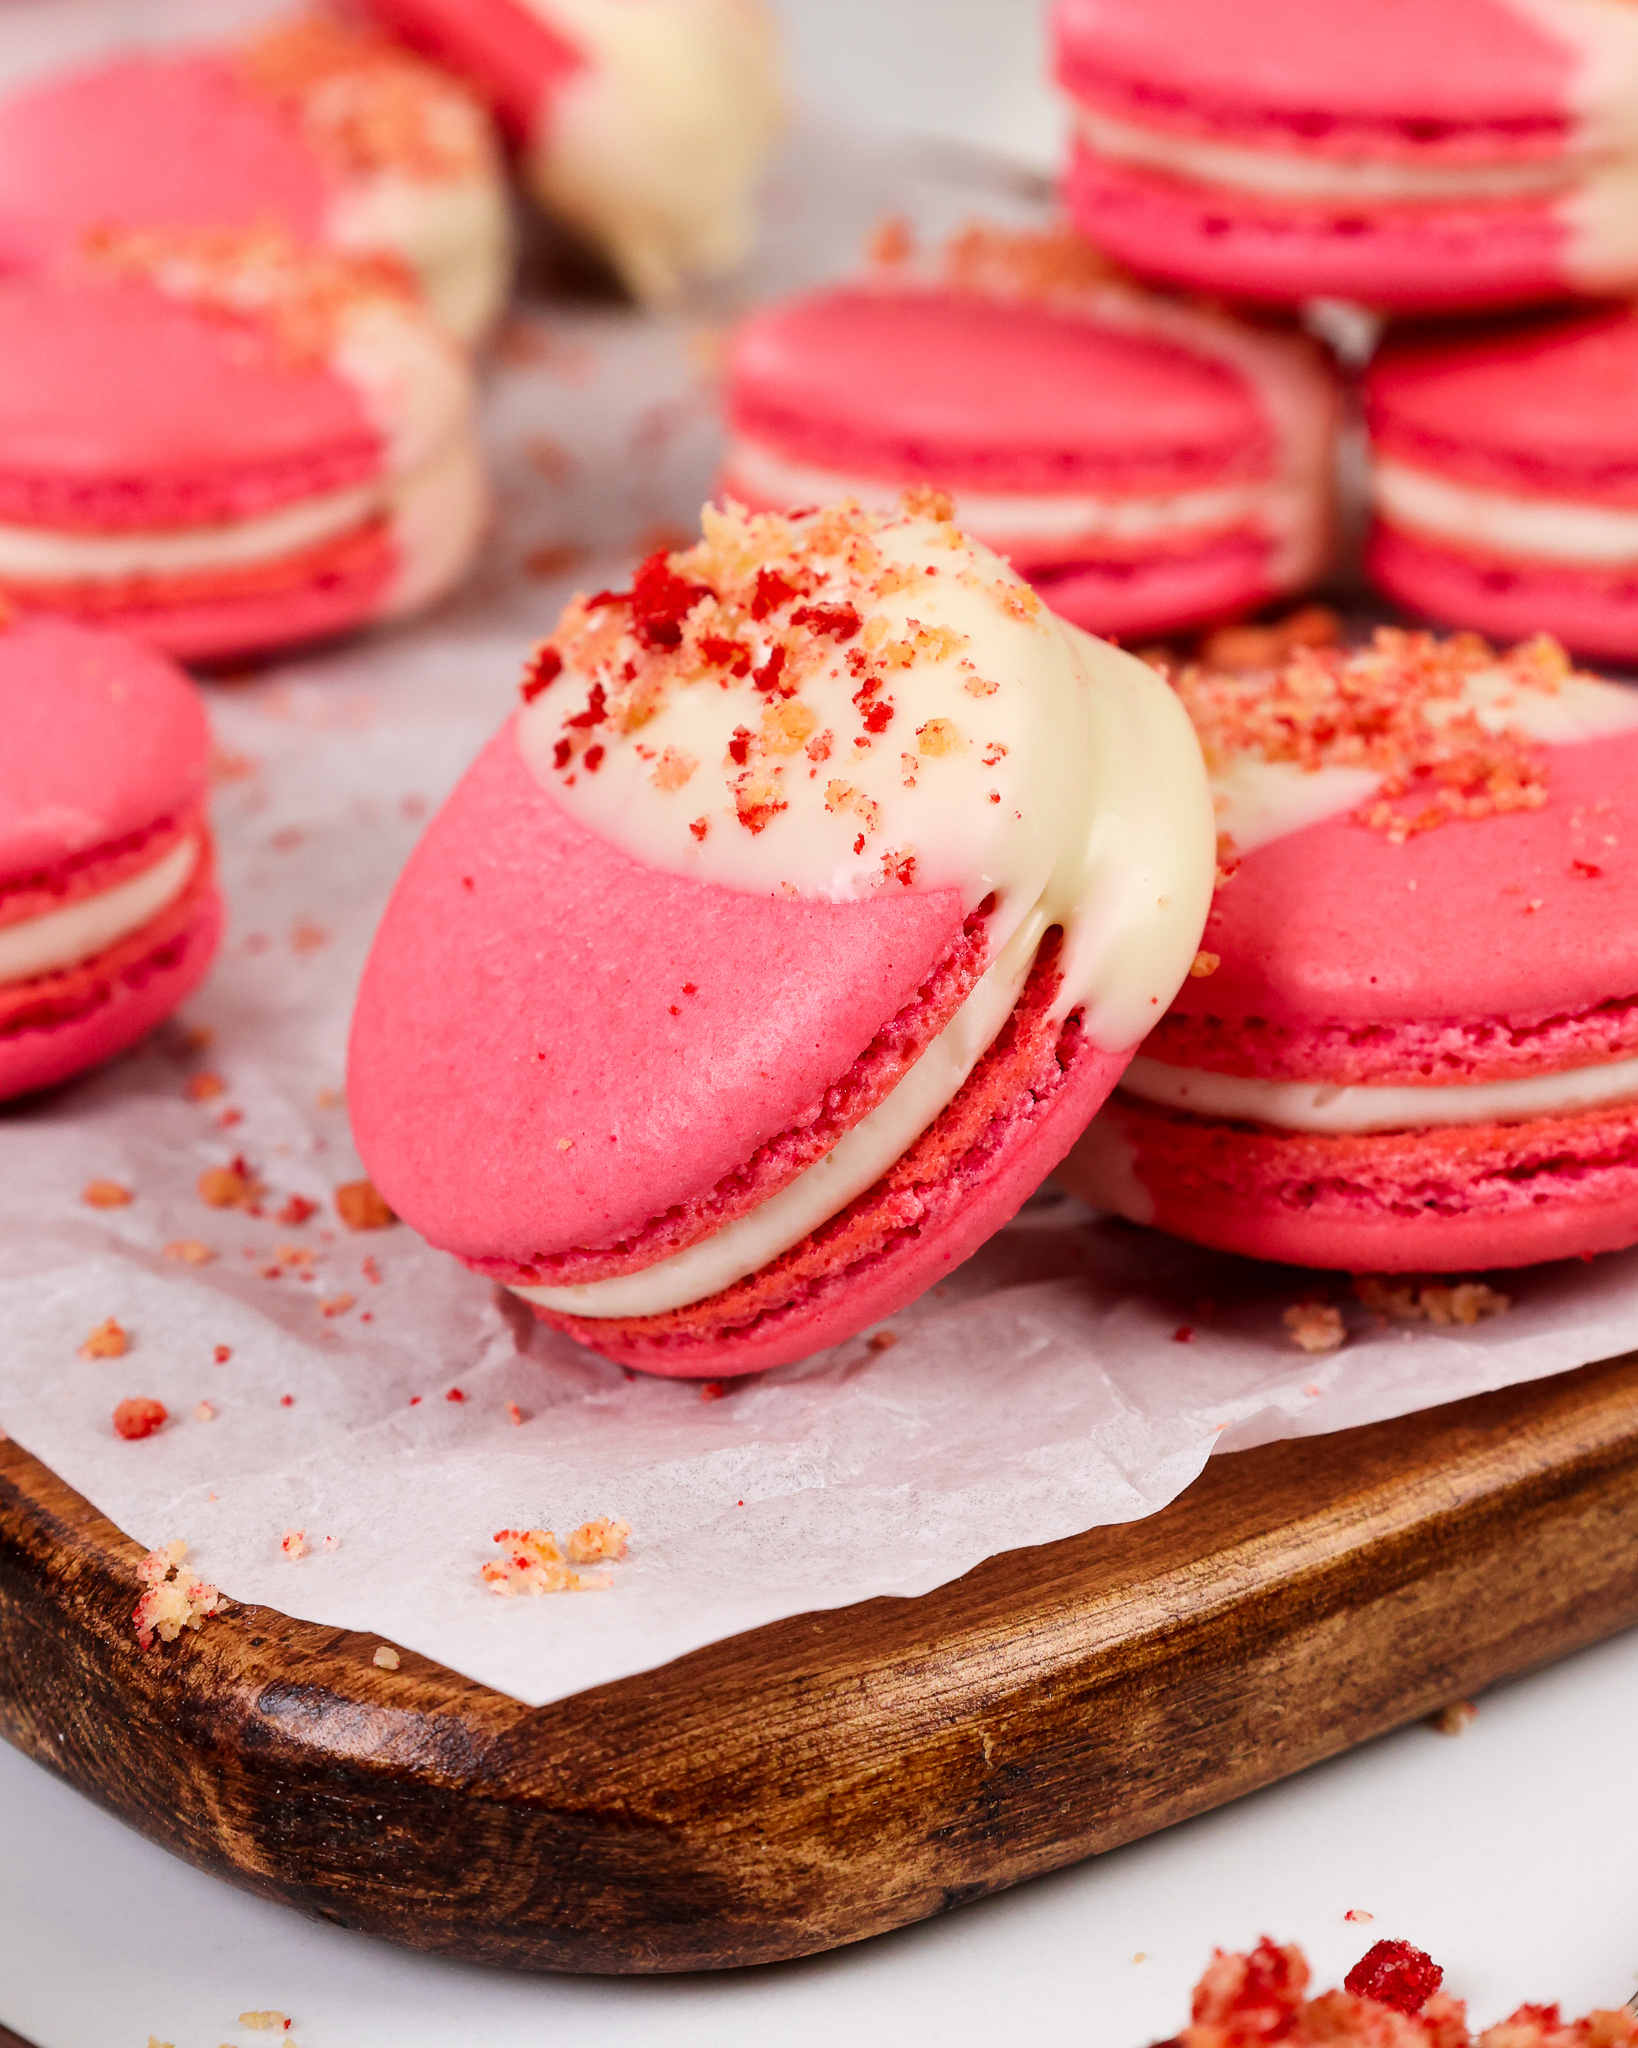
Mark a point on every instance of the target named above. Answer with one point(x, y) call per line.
point(1409, 154)
point(1147, 465)
point(225, 443)
point(1504, 479)
point(109, 912)
point(1411, 1042)
point(325, 130)
point(776, 950)
point(642, 124)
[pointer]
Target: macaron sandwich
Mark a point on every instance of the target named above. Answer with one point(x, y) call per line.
point(782, 942)
point(109, 912)
point(1147, 465)
point(1411, 1043)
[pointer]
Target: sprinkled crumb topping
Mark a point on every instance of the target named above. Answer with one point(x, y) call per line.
point(776, 603)
point(535, 1563)
point(176, 1598)
point(1026, 263)
point(365, 103)
point(1397, 708)
point(301, 294)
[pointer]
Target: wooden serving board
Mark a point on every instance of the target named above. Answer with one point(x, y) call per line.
point(839, 1774)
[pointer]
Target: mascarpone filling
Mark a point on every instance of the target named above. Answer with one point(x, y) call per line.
point(1026, 522)
point(1099, 824)
point(62, 938)
point(1322, 1107)
point(1550, 529)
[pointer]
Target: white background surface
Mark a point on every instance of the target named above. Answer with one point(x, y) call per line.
point(1504, 1852)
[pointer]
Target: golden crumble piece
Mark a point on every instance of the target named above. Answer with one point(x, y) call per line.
point(1465, 1302)
point(265, 2022)
point(598, 1539)
point(229, 1187)
point(293, 1543)
point(360, 1207)
point(107, 1340)
point(386, 1658)
point(1316, 1326)
point(176, 1598)
point(1204, 964)
point(105, 1194)
point(534, 1563)
point(1454, 1719)
point(189, 1251)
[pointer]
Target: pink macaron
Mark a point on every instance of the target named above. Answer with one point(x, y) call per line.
point(1505, 479)
point(1403, 153)
point(1145, 464)
point(641, 124)
point(766, 961)
point(223, 444)
point(1411, 1041)
point(328, 132)
point(109, 913)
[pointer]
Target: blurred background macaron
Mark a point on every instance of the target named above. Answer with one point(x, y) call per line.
point(1148, 465)
point(326, 130)
point(224, 443)
point(109, 912)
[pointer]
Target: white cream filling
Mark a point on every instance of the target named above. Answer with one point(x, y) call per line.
point(62, 938)
point(1316, 1106)
point(1015, 521)
point(858, 1159)
point(653, 147)
point(1551, 529)
point(455, 234)
point(438, 518)
point(1292, 175)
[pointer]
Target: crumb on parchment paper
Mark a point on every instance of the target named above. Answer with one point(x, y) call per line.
point(535, 1563)
point(1316, 1326)
point(360, 1207)
point(105, 1194)
point(139, 1417)
point(1444, 1303)
point(107, 1340)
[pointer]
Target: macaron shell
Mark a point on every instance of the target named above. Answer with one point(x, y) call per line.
point(124, 409)
point(967, 1177)
point(1437, 1201)
point(509, 53)
point(61, 1024)
point(104, 739)
point(1402, 75)
point(1400, 259)
point(148, 142)
point(1521, 917)
point(1593, 611)
point(1164, 591)
point(950, 388)
point(553, 1045)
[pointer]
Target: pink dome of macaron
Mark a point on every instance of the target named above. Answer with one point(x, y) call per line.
point(323, 130)
point(724, 1008)
point(1148, 466)
point(109, 912)
point(1408, 154)
point(1412, 1042)
point(1505, 479)
point(224, 444)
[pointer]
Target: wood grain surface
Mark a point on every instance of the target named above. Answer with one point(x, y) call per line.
point(839, 1774)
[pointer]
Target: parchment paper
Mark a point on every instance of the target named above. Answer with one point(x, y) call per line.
point(1039, 1392)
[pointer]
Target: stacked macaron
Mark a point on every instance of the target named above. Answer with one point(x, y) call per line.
point(1147, 465)
point(642, 124)
point(108, 907)
point(1410, 1042)
point(224, 443)
point(1408, 154)
point(771, 955)
point(330, 133)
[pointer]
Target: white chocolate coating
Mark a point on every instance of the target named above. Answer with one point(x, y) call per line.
point(652, 149)
point(1100, 824)
point(454, 233)
point(1548, 529)
point(1318, 1106)
point(62, 938)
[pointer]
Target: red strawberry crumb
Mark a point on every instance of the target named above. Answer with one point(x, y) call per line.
point(543, 671)
point(514, 1413)
point(371, 1271)
point(1183, 1334)
point(221, 1353)
point(138, 1418)
point(296, 1210)
point(454, 1394)
point(287, 1400)
point(415, 1400)
point(713, 1390)
point(1395, 1974)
